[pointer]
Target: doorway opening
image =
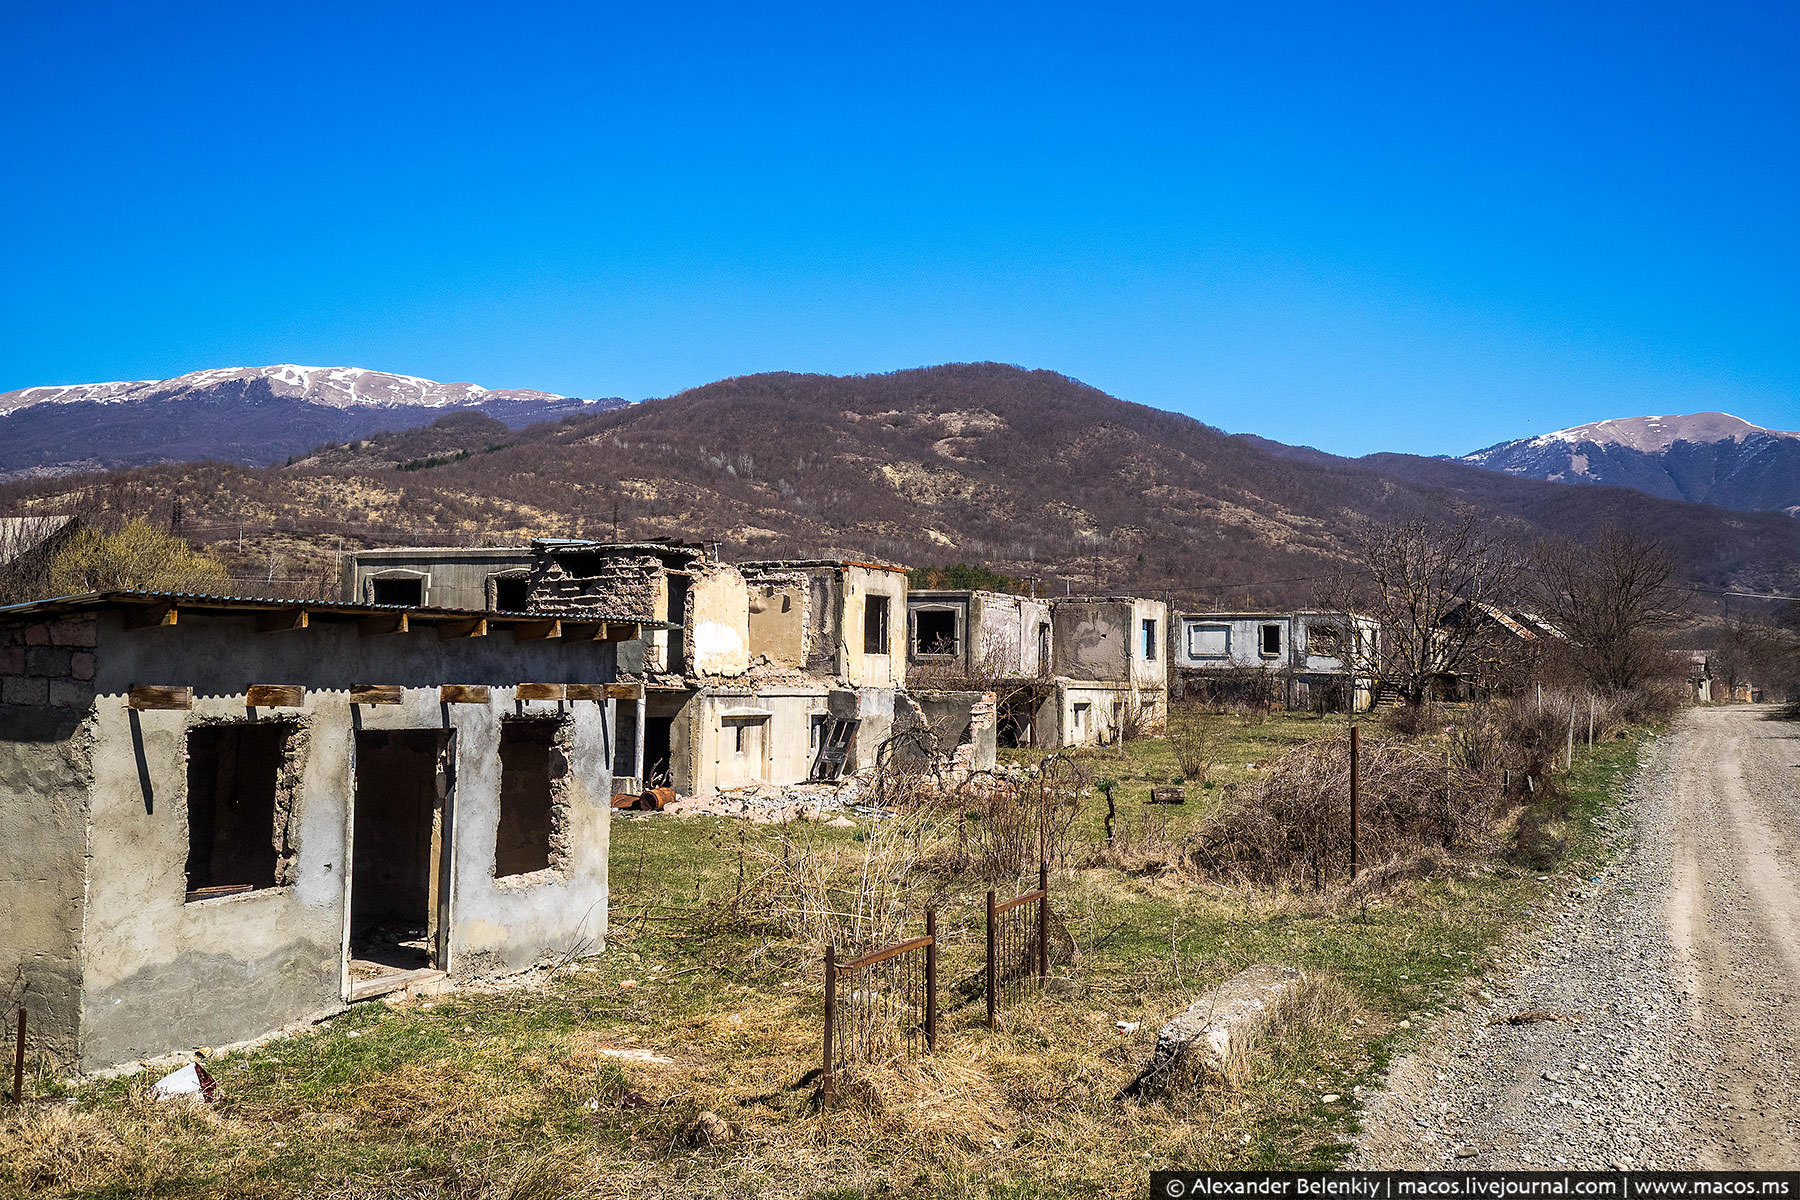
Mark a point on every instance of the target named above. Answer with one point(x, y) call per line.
point(398, 900)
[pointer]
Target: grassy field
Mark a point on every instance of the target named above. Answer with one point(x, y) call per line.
point(590, 1081)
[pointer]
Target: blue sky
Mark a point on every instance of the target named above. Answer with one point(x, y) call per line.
point(1410, 227)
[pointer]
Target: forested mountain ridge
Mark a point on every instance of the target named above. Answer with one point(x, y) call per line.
point(1029, 472)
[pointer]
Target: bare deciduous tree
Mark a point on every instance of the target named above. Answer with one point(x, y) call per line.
point(1614, 598)
point(1414, 578)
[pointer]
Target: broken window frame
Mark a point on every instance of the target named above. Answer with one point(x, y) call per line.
point(1149, 633)
point(502, 579)
point(946, 646)
point(1193, 628)
point(1262, 639)
point(279, 822)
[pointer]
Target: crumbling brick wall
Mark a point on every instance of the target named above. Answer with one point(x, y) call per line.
point(623, 586)
point(48, 663)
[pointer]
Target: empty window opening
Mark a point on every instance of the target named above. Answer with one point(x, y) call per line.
point(743, 760)
point(677, 616)
point(875, 625)
point(532, 773)
point(512, 593)
point(625, 740)
point(237, 808)
point(403, 778)
point(934, 631)
point(815, 731)
point(1150, 641)
point(1043, 647)
point(1271, 640)
point(408, 590)
point(1083, 719)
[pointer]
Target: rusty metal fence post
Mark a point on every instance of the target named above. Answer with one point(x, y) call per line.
point(828, 1085)
point(1355, 745)
point(1043, 928)
point(19, 1062)
point(993, 995)
point(931, 981)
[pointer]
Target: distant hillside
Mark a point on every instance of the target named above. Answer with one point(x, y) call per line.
point(1027, 472)
point(1708, 458)
point(251, 415)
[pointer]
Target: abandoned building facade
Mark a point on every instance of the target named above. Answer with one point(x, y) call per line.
point(1070, 671)
point(225, 815)
point(1306, 659)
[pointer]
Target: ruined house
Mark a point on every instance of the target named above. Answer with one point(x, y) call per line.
point(766, 672)
point(1065, 672)
point(223, 815)
point(1306, 659)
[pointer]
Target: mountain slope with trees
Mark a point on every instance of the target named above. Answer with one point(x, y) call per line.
point(1027, 472)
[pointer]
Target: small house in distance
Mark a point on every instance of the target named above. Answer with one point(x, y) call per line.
point(223, 815)
point(1306, 659)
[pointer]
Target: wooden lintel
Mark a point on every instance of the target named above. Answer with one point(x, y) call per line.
point(617, 631)
point(284, 620)
point(623, 691)
point(274, 695)
point(532, 631)
point(463, 693)
point(156, 696)
point(384, 624)
point(541, 691)
point(376, 693)
point(449, 630)
point(150, 616)
point(584, 691)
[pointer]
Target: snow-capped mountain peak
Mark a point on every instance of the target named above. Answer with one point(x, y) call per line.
point(1709, 457)
point(335, 387)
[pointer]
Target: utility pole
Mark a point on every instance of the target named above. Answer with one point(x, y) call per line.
point(1354, 745)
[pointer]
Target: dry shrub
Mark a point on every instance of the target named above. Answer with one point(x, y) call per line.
point(1197, 743)
point(936, 1102)
point(538, 1177)
point(997, 825)
point(1293, 826)
point(816, 893)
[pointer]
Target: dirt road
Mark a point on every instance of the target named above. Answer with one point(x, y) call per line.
point(1681, 963)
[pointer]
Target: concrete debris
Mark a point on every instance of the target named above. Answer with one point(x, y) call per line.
point(191, 1082)
point(767, 803)
point(1216, 1031)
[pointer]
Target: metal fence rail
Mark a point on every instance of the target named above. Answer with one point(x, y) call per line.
point(880, 1004)
point(1018, 941)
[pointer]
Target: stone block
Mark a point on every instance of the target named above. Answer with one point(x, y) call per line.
point(12, 660)
point(37, 635)
point(78, 632)
point(19, 689)
point(65, 693)
point(1216, 1032)
point(81, 665)
point(49, 661)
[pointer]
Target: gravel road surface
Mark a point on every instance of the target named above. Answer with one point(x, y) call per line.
point(1678, 973)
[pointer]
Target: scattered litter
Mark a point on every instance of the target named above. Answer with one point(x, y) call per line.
point(627, 984)
point(634, 1100)
point(191, 1080)
point(354, 1033)
point(1330, 1098)
point(1127, 1026)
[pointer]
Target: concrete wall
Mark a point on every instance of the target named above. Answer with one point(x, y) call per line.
point(719, 623)
point(861, 669)
point(458, 578)
point(161, 973)
point(777, 620)
point(1241, 641)
point(46, 747)
point(782, 717)
point(1093, 639)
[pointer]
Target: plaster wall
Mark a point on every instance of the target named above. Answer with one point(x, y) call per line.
point(161, 973)
point(719, 615)
point(45, 752)
point(777, 620)
point(1093, 639)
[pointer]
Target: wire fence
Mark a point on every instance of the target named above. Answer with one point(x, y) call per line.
point(1018, 942)
point(880, 1005)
